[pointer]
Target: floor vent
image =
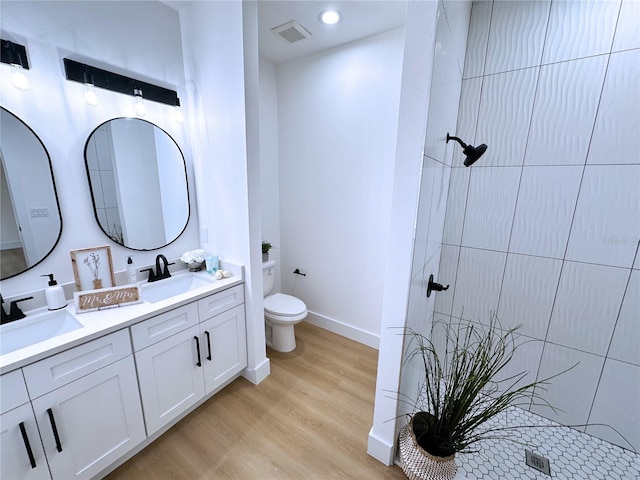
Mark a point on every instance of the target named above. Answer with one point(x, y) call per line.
point(538, 462)
point(291, 31)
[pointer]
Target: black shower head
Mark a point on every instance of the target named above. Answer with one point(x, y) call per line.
point(472, 153)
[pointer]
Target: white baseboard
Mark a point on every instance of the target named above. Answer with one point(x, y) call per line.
point(259, 373)
point(353, 333)
point(380, 450)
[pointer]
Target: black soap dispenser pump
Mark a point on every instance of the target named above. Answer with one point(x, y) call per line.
point(54, 294)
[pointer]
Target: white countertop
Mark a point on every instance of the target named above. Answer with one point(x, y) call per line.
point(98, 323)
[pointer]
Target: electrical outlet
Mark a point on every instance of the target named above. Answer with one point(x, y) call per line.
point(39, 212)
point(538, 462)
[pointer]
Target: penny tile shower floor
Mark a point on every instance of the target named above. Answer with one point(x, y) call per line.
point(573, 455)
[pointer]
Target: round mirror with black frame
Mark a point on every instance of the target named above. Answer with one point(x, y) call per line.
point(138, 180)
point(30, 220)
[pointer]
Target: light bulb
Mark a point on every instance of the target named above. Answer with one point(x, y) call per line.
point(138, 106)
point(90, 94)
point(177, 114)
point(330, 17)
point(18, 78)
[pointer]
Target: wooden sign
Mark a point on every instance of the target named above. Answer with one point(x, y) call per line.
point(91, 300)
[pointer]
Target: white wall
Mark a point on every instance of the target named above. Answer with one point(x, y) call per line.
point(269, 163)
point(225, 171)
point(109, 34)
point(545, 227)
point(337, 122)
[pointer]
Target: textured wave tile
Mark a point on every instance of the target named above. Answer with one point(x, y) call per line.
point(606, 226)
point(528, 290)
point(586, 306)
point(477, 39)
point(546, 203)
point(573, 455)
point(438, 211)
point(478, 284)
point(572, 392)
point(458, 18)
point(447, 276)
point(627, 32)
point(580, 29)
point(456, 202)
point(430, 170)
point(517, 35)
point(616, 136)
point(564, 112)
point(505, 113)
point(490, 206)
point(616, 404)
point(624, 345)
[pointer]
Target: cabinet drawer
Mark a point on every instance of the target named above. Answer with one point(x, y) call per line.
point(13, 391)
point(163, 326)
point(220, 302)
point(58, 370)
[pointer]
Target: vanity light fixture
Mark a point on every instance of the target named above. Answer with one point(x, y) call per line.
point(330, 17)
point(100, 78)
point(138, 105)
point(15, 55)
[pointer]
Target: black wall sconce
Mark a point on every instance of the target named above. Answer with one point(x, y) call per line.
point(86, 74)
point(15, 55)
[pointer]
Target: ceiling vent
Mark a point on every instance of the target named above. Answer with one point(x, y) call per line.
point(291, 31)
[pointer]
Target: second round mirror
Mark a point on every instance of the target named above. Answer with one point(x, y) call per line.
point(138, 181)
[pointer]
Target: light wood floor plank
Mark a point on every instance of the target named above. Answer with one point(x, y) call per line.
point(308, 420)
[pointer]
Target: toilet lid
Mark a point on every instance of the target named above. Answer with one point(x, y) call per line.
point(281, 304)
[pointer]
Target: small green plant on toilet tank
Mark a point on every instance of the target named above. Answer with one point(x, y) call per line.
point(459, 392)
point(266, 246)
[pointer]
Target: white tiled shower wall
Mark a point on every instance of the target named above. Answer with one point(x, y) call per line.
point(544, 229)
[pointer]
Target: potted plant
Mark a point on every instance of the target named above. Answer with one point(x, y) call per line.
point(266, 246)
point(459, 394)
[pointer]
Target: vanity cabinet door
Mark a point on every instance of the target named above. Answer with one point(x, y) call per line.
point(20, 446)
point(89, 423)
point(224, 347)
point(170, 378)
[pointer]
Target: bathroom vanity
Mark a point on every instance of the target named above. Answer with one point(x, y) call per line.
point(79, 404)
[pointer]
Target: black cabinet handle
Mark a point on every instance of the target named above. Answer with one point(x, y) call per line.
point(27, 445)
point(55, 430)
point(198, 350)
point(208, 345)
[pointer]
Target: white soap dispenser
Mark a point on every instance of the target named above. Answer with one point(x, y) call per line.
point(54, 294)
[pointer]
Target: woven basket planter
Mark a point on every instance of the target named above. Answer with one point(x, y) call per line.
point(418, 464)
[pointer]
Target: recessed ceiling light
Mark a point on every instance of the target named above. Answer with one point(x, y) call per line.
point(330, 17)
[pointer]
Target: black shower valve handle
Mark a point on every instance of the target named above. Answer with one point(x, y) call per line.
point(434, 287)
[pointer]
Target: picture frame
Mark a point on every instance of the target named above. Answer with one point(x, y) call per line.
point(93, 268)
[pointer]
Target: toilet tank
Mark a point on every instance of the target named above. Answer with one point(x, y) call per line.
point(268, 274)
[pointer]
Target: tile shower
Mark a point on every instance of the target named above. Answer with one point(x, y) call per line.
point(544, 229)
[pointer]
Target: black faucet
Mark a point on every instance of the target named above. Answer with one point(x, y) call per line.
point(14, 311)
point(160, 273)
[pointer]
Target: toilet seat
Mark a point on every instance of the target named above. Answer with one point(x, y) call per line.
point(282, 305)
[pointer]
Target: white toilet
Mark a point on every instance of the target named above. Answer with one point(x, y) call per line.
point(281, 313)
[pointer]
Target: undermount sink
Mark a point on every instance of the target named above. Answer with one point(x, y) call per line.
point(170, 287)
point(35, 329)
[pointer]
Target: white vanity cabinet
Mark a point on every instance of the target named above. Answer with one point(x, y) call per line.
point(181, 360)
point(20, 447)
point(87, 406)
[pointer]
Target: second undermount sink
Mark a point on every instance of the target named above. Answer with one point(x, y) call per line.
point(35, 329)
point(170, 287)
